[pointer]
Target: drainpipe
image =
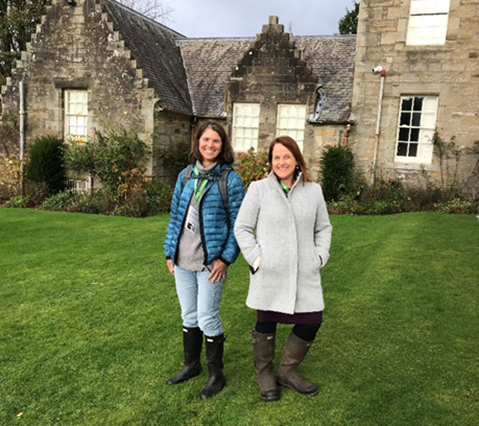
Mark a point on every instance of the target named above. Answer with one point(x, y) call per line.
point(22, 131)
point(378, 125)
point(346, 135)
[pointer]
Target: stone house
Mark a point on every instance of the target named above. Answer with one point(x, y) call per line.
point(95, 64)
point(428, 54)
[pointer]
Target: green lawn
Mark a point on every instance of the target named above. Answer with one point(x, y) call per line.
point(90, 327)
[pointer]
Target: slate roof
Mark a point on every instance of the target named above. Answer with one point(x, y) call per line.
point(332, 60)
point(210, 62)
point(154, 47)
point(189, 74)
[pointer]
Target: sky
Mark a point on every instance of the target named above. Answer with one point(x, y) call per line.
point(245, 18)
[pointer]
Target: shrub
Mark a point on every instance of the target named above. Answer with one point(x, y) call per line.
point(35, 193)
point(110, 159)
point(457, 206)
point(135, 204)
point(10, 176)
point(338, 176)
point(252, 166)
point(159, 195)
point(46, 163)
point(174, 159)
point(18, 202)
point(60, 201)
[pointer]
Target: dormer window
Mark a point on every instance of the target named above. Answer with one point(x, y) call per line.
point(320, 102)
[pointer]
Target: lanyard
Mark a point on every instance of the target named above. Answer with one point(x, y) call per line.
point(286, 189)
point(202, 186)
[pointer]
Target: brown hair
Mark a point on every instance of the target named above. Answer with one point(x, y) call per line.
point(290, 144)
point(226, 155)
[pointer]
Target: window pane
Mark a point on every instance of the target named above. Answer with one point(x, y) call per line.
point(407, 104)
point(416, 119)
point(404, 134)
point(402, 149)
point(405, 119)
point(412, 150)
point(414, 135)
point(418, 103)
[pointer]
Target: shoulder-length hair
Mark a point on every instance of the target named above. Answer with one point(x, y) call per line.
point(226, 155)
point(291, 145)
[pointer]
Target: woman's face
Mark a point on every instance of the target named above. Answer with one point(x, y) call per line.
point(283, 163)
point(210, 146)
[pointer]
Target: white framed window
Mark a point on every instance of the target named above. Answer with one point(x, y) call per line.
point(290, 121)
point(76, 111)
point(245, 126)
point(427, 22)
point(78, 185)
point(417, 121)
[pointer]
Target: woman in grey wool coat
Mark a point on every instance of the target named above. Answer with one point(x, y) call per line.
point(284, 233)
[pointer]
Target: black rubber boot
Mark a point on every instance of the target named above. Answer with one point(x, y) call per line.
point(294, 351)
point(214, 358)
point(263, 355)
point(192, 343)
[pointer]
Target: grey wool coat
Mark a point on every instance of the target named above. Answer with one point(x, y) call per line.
point(291, 234)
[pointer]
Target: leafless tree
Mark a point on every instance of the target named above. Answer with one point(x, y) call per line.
point(157, 10)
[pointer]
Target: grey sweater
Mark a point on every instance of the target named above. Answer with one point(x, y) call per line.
point(190, 251)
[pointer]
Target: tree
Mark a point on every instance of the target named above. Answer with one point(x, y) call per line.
point(45, 163)
point(18, 21)
point(158, 10)
point(349, 23)
point(114, 159)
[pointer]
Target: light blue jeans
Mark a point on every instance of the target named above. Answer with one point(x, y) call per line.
point(199, 300)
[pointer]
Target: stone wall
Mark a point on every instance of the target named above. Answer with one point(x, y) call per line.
point(77, 48)
point(449, 71)
point(172, 136)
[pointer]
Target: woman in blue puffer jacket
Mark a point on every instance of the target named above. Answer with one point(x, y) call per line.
point(200, 245)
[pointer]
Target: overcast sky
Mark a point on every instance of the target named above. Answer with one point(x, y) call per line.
point(245, 18)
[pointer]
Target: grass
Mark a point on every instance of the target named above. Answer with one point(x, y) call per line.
point(90, 327)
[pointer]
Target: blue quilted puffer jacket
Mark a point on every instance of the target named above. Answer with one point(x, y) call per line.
point(216, 225)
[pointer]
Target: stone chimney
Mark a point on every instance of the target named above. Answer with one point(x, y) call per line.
point(273, 26)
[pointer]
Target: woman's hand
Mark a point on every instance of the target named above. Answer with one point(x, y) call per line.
point(170, 265)
point(219, 271)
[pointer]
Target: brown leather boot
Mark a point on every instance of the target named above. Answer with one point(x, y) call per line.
point(294, 351)
point(263, 355)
